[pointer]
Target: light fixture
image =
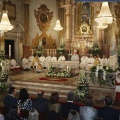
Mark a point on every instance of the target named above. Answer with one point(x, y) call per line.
point(102, 26)
point(105, 16)
point(58, 26)
point(5, 24)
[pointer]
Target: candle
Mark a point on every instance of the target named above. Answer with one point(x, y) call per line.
point(9, 50)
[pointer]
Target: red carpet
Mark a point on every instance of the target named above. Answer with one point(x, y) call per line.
point(53, 79)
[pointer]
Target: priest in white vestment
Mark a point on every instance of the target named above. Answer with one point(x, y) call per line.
point(104, 61)
point(61, 58)
point(42, 60)
point(47, 61)
point(90, 62)
point(99, 59)
point(83, 63)
point(54, 58)
point(30, 59)
point(25, 63)
point(75, 56)
point(14, 64)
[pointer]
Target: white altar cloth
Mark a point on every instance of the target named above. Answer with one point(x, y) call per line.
point(74, 65)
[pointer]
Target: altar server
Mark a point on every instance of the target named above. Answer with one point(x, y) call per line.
point(104, 61)
point(42, 60)
point(61, 58)
point(25, 63)
point(83, 63)
point(75, 56)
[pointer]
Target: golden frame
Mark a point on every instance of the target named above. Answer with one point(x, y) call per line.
point(43, 17)
point(82, 16)
point(11, 8)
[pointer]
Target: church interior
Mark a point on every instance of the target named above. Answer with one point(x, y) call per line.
point(60, 46)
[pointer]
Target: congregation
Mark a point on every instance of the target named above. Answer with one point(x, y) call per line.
point(53, 109)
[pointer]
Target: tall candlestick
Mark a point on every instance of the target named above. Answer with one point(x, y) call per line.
point(9, 50)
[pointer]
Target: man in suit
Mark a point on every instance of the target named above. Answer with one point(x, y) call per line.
point(69, 105)
point(107, 112)
point(10, 98)
point(41, 104)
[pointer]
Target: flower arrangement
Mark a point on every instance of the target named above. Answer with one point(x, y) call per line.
point(95, 49)
point(63, 73)
point(61, 48)
point(82, 89)
point(101, 74)
point(3, 86)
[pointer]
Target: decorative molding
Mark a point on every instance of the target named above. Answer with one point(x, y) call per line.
point(43, 17)
point(47, 41)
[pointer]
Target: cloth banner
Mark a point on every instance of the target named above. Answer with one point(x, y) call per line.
point(113, 61)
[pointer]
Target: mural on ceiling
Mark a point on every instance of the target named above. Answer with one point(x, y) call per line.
point(84, 15)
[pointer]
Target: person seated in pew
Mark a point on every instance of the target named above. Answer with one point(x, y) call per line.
point(36, 64)
point(54, 58)
point(83, 63)
point(42, 60)
point(25, 63)
point(61, 58)
point(75, 56)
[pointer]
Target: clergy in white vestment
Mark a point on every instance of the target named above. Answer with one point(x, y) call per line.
point(83, 63)
point(61, 58)
point(25, 63)
point(54, 58)
point(90, 62)
point(104, 61)
point(30, 59)
point(42, 60)
point(14, 63)
point(75, 56)
point(47, 61)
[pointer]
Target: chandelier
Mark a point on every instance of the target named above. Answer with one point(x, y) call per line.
point(5, 24)
point(58, 26)
point(102, 26)
point(105, 16)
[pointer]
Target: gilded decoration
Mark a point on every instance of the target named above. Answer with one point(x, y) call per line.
point(84, 14)
point(43, 17)
point(46, 41)
point(85, 28)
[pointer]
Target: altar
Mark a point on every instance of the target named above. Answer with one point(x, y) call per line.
point(61, 67)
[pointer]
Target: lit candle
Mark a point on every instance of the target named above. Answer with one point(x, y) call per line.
point(9, 50)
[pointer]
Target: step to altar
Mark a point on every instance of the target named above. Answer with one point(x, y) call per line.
point(48, 88)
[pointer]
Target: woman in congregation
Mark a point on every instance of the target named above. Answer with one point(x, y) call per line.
point(73, 115)
point(54, 104)
point(24, 102)
point(87, 112)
